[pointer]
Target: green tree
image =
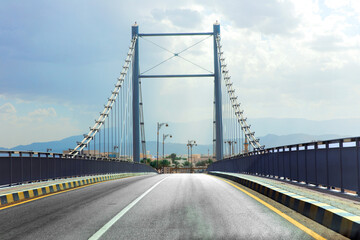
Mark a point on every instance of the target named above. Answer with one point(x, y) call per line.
point(186, 164)
point(147, 161)
point(173, 157)
point(177, 164)
point(153, 164)
point(165, 163)
point(209, 161)
point(201, 163)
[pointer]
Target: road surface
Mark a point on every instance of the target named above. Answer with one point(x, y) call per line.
point(176, 206)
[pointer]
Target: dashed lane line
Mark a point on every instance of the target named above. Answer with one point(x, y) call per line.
point(108, 225)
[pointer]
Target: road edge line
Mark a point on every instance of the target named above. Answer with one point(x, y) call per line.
point(20, 197)
point(280, 213)
point(338, 220)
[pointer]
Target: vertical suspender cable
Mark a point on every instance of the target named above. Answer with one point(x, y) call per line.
point(118, 122)
point(116, 129)
point(108, 140)
point(112, 132)
point(99, 142)
point(104, 132)
point(94, 146)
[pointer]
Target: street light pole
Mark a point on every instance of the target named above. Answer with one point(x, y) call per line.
point(231, 147)
point(190, 144)
point(163, 146)
point(188, 151)
point(115, 147)
point(164, 137)
point(191, 160)
point(159, 125)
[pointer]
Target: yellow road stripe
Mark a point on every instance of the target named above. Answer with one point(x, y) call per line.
point(288, 218)
point(51, 194)
point(21, 196)
point(39, 197)
point(31, 193)
point(9, 198)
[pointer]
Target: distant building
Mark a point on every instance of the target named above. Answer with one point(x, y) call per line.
point(148, 155)
point(198, 158)
point(85, 152)
point(167, 170)
point(96, 153)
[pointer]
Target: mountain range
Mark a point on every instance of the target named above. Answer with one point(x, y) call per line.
point(270, 140)
point(271, 131)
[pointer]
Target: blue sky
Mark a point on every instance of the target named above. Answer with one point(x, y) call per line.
point(60, 59)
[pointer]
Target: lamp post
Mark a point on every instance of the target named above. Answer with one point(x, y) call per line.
point(190, 145)
point(159, 125)
point(231, 147)
point(115, 147)
point(164, 137)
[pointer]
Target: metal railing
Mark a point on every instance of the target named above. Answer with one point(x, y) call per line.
point(26, 166)
point(331, 163)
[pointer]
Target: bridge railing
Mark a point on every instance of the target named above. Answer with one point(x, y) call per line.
point(26, 166)
point(332, 164)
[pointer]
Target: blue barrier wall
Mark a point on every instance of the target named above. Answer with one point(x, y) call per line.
point(19, 169)
point(333, 163)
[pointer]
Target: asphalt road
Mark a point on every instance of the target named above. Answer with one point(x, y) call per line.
point(177, 206)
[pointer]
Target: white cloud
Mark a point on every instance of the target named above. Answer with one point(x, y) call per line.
point(266, 16)
point(43, 112)
point(286, 58)
point(7, 108)
point(39, 125)
point(181, 17)
point(335, 4)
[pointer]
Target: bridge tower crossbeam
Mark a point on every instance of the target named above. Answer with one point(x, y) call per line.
point(217, 85)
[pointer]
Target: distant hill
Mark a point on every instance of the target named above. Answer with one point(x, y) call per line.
point(56, 146)
point(270, 140)
point(199, 130)
point(285, 126)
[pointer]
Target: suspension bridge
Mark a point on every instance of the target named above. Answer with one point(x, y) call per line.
point(138, 203)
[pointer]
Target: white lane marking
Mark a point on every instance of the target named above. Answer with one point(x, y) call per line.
point(108, 225)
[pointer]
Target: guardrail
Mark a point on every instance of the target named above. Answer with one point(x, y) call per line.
point(332, 163)
point(26, 166)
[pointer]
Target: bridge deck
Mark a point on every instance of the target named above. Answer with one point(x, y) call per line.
point(176, 206)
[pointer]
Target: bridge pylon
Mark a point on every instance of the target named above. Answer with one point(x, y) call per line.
point(135, 97)
point(217, 95)
point(116, 133)
point(217, 86)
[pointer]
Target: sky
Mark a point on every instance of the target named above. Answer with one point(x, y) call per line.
point(59, 61)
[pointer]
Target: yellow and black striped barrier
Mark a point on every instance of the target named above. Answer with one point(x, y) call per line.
point(36, 192)
point(331, 217)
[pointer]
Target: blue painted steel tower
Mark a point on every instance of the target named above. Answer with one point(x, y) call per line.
point(217, 87)
point(135, 96)
point(217, 94)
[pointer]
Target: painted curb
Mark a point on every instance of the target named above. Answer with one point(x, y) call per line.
point(338, 220)
point(36, 192)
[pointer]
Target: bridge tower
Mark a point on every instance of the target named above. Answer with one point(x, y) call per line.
point(136, 98)
point(217, 94)
point(217, 88)
point(125, 104)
